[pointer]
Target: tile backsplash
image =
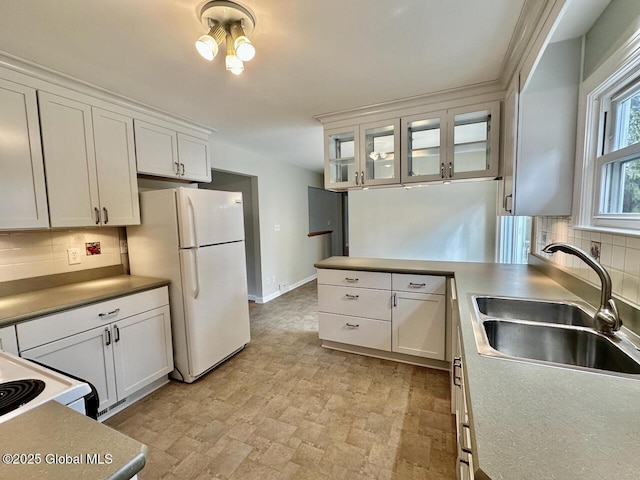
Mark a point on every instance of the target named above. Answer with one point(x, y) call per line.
point(32, 254)
point(620, 254)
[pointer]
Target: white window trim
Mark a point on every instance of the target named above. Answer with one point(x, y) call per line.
point(622, 65)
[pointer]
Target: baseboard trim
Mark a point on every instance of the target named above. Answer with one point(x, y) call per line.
point(397, 357)
point(293, 286)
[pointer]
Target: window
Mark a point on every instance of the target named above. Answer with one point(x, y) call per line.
point(610, 179)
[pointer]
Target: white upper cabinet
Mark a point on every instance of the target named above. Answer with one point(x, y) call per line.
point(194, 157)
point(84, 157)
point(23, 200)
point(341, 154)
point(116, 164)
point(473, 141)
point(164, 152)
point(540, 133)
point(423, 154)
point(157, 150)
point(380, 153)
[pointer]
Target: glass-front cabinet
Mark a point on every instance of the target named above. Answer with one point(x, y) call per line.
point(473, 141)
point(380, 156)
point(423, 155)
point(341, 165)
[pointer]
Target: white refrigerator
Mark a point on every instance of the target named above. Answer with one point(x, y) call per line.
point(195, 238)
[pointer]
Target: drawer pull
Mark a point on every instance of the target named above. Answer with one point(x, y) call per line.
point(417, 285)
point(108, 314)
point(352, 297)
point(108, 334)
point(351, 325)
point(457, 380)
point(351, 280)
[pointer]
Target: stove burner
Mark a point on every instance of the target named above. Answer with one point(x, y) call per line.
point(15, 394)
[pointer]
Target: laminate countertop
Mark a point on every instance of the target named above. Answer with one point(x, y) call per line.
point(46, 301)
point(55, 442)
point(532, 421)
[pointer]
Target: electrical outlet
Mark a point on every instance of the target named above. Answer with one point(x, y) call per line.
point(123, 246)
point(283, 287)
point(74, 256)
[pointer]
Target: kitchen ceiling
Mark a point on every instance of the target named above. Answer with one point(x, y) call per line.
point(313, 57)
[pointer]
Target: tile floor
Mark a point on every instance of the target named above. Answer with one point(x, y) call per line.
point(286, 408)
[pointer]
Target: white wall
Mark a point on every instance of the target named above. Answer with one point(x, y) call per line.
point(455, 222)
point(287, 255)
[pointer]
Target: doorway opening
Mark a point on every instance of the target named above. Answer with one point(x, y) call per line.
point(328, 216)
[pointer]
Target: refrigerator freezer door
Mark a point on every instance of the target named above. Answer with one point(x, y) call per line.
point(209, 217)
point(216, 306)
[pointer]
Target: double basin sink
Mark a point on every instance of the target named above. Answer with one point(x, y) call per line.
point(554, 333)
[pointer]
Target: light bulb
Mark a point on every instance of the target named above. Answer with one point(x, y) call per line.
point(241, 43)
point(207, 45)
point(232, 62)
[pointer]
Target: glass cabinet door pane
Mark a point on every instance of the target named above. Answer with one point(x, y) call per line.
point(342, 167)
point(379, 152)
point(423, 152)
point(471, 136)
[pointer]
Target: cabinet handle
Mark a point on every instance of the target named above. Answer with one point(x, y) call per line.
point(177, 165)
point(182, 165)
point(106, 215)
point(442, 170)
point(351, 325)
point(417, 285)
point(108, 314)
point(352, 297)
point(362, 177)
point(117, 330)
point(457, 380)
point(96, 211)
point(394, 299)
point(108, 332)
point(506, 201)
point(450, 170)
point(357, 179)
point(351, 280)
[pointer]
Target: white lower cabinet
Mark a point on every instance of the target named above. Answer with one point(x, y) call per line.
point(400, 313)
point(419, 324)
point(119, 357)
point(465, 466)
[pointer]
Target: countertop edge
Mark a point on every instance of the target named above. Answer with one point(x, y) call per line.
point(133, 467)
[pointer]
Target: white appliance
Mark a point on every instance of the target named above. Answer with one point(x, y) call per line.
point(195, 238)
point(25, 385)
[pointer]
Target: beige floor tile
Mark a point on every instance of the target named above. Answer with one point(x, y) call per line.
point(286, 408)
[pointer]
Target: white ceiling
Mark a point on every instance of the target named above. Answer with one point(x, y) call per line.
point(313, 57)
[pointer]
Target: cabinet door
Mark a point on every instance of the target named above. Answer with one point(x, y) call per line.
point(9, 340)
point(418, 324)
point(156, 150)
point(23, 198)
point(473, 141)
point(341, 153)
point(380, 153)
point(69, 157)
point(142, 350)
point(116, 167)
point(193, 155)
point(509, 149)
point(87, 355)
point(423, 153)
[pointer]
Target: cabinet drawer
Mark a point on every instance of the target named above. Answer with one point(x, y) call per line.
point(418, 283)
point(359, 302)
point(355, 331)
point(354, 278)
point(60, 325)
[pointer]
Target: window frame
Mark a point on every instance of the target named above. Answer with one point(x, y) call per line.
point(615, 78)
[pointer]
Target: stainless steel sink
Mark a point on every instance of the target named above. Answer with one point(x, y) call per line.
point(552, 333)
point(564, 313)
point(550, 343)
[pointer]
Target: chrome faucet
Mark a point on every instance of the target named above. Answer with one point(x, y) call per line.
point(607, 318)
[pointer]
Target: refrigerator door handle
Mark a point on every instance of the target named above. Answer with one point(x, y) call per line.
point(194, 225)
point(196, 290)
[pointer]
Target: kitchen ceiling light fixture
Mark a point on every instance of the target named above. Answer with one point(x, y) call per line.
point(233, 22)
